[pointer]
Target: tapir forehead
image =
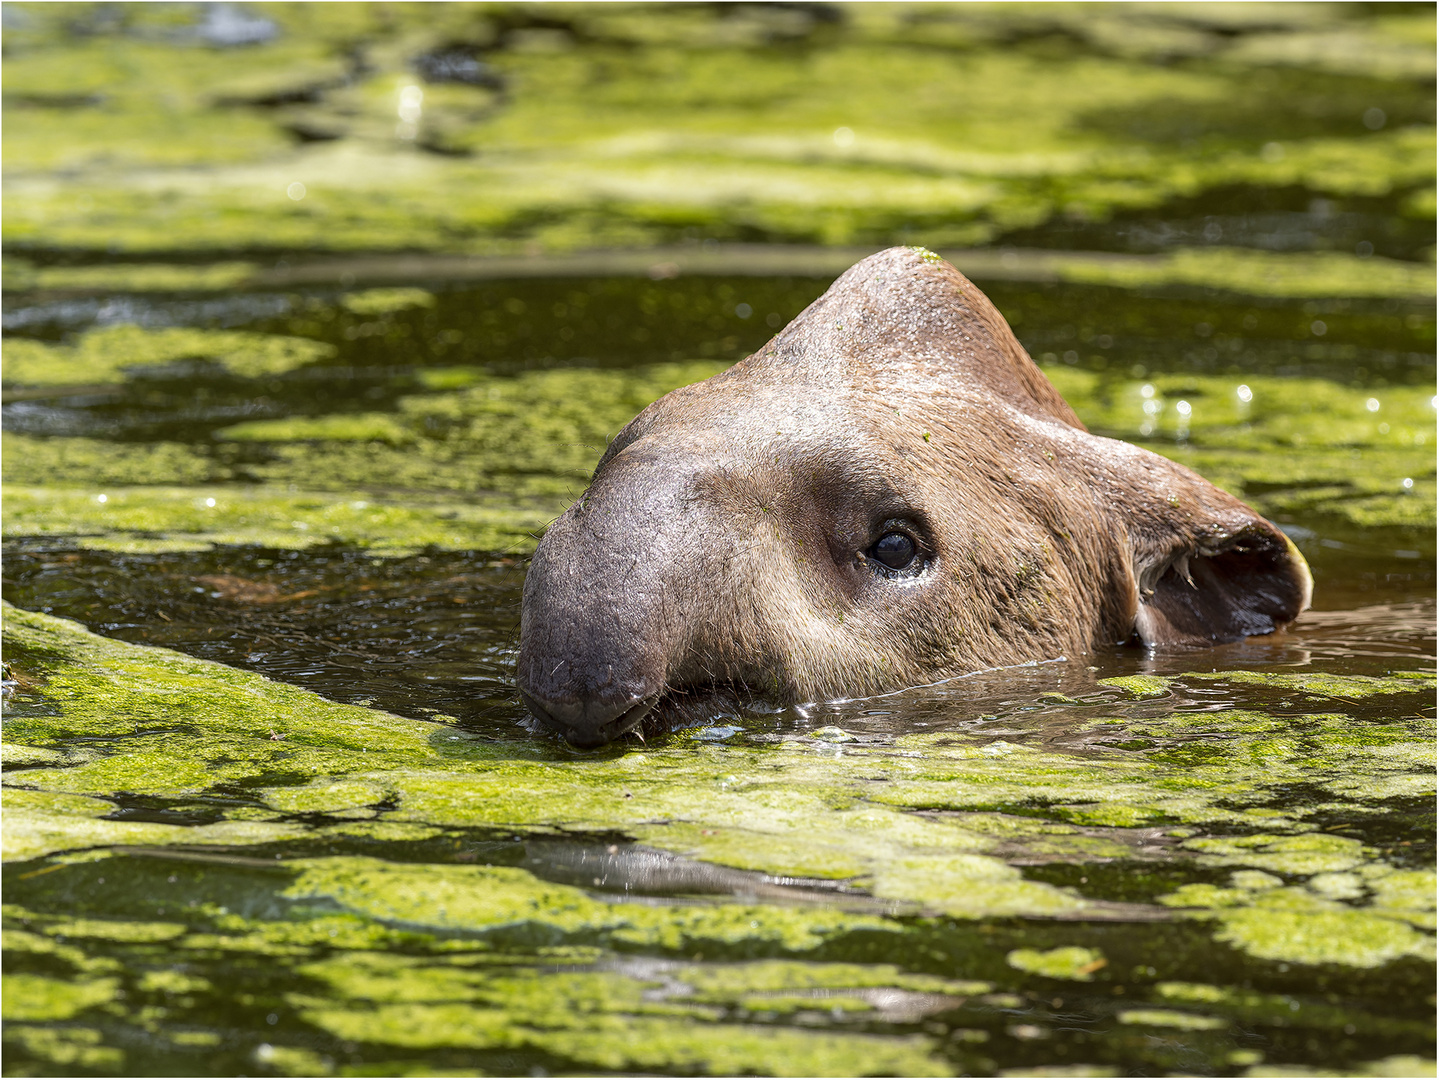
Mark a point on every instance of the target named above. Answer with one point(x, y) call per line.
point(904, 320)
point(848, 453)
point(726, 431)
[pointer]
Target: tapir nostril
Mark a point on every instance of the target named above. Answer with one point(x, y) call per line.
point(538, 711)
point(632, 717)
point(590, 723)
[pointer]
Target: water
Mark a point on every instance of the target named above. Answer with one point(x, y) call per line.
point(438, 632)
point(1198, 861)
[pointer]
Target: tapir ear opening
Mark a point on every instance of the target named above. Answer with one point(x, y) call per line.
point(1252, 581)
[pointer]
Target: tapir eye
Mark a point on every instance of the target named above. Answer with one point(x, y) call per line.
point(894, 550)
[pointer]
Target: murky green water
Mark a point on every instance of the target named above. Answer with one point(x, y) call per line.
point(1208, 861)
point(315, 315)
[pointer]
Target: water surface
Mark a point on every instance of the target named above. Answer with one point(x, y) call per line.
point(1202, 860)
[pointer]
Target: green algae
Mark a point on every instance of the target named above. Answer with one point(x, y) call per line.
point(720, 983)
point(1139, 687)
point(112, 930)
point(1309, 936)
point(833, 131)
point(411, 952)
point(293, 1060)
point(1312, 925)
point(1067, 962)
point(1256, 273)
point(66, 1046)
point(970, 887)
point(1248, 1006)
point(44, 823)
point(408, 1002)
point(33, 997)
point(501, 456)
point(1308, 448)
point(1310, 853)
point(385, 301)
point(1169, 1018)
point(535, 435)
point(31, 461)
point(784, 809)
point(1249, 412)
point(68, 955)
point(513, 906)
point(621, 1042)
point(483, 467)
point(21, 275)
point(346, 427)
point(144, 518)
point(1320, 685)
point(104, 356)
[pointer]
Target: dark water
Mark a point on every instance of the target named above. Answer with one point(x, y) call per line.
point(438, 632)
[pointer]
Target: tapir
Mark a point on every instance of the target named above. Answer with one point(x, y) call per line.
point(887, 494)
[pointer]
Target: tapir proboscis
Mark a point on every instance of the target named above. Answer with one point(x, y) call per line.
point(888, 494)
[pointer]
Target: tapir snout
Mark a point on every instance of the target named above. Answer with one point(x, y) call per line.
point(887, 494)
point(596, 637)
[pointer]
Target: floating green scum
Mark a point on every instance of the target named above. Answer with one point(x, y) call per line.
point(410, 880)
point(484, 129)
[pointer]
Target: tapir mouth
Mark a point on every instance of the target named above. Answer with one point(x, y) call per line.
point(580, 730)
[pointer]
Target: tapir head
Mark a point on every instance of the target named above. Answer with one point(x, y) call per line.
point(887, 494)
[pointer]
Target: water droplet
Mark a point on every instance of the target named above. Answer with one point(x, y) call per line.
point(1372, 404)
point(296, 191)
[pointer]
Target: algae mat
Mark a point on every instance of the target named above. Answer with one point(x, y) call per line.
point(208, 871)
point(505, 128)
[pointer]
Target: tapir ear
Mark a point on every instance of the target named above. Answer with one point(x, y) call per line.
point(1206, 567)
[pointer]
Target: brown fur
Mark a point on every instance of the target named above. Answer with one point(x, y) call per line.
point(723, 539)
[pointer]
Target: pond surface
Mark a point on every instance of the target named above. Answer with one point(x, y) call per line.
point(272, 806)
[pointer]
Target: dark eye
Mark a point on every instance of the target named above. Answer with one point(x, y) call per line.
point(894, 550)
